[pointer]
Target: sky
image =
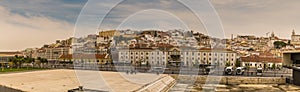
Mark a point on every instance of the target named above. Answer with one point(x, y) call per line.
point(33, 23)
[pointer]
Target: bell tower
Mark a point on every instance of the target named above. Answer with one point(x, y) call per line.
point(293, 33)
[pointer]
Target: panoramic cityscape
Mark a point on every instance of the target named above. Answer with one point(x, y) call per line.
point(163, 46)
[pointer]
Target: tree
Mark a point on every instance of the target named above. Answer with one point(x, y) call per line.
point(17, 61)
point(42, 61)
point(227, 64)
point(251, 49)
point(237, 63)
point(29, 60)
point(279, 44)
point(273, 66)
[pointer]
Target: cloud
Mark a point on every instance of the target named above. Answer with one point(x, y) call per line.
point(19, 32)
point(58, 9)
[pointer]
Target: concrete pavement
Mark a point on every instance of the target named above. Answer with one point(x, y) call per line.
point(61, 80)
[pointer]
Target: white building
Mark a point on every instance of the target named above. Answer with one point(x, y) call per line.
point(53, 53)
point(263, 60)
point(175, 55)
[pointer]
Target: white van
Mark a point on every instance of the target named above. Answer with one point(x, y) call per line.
point(229, 70)
point(239, 70)
point(259, 71)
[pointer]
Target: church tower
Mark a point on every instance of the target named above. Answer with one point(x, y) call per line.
point(272, 35)
point(293, 33)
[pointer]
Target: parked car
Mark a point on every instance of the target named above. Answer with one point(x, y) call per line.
point(239, 70)
point(229, 70)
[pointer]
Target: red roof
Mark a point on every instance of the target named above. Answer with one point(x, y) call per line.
point(214, 49)
point(84, 56)
point(256, 58)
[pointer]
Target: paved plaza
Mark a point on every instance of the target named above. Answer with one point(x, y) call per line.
point(61, 80)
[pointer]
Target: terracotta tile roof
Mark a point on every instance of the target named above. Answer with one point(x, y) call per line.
point(214, 49)
point(256, 58)
point(84, 56)
point(264, 54)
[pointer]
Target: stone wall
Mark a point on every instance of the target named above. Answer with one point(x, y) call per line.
point(233, 79)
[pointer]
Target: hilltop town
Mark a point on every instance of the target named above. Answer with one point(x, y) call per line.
point(169, 47)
